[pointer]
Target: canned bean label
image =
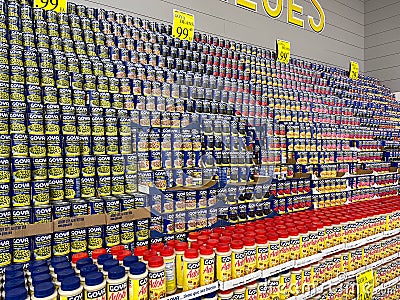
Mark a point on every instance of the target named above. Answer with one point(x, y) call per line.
point(84, 145)
point(42, 214)
point(128, 232)
point(88, 164)
point(78, 240)
point(37, 146)
point(72, 188)
point(21, 250)
point(17, 123)
point(56, 187)
point(56, 167)
point(40, 192)
point(95, 236)
point(87, 187)
point(112, 235)
point(103, 165)
point(103, 186)
point(21, 216)
point(61, 243)
point(5, 200)
point(54, 145)
point(41, 245)
point(71, 145)
point(5, 176)
point(21, 169)
point(71, 167)
point(52, 124)
point(35, 123)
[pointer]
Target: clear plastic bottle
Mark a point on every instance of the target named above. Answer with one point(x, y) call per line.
point(138, 281)
point(95, 287)
point(71, 288)
point(117, 284)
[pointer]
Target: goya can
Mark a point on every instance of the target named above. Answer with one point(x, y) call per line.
point(56, 187)
point(52, 124)
point(55, 167)
point(37, 146)
point(17, 123)
point(87, 187)
point(99, 145)
point(4, 123)
point(72, 188)
point(103, 165)
point(71, 167)
point(95, 234)
point(78, 240)
point(19, 145)
point(117, 185)
point(42, 246)
point(71, 145)
point(5, 176)
point(21, 215)
point(85, 145)
point(40, 192)
point(61, 243)
point(5, 199)
point(88, 166)
point(54, 145)
point(21, 250)
point(5, 145)
point(21, 194)
point(103, 186)
point(61, 210)
point(35, 123)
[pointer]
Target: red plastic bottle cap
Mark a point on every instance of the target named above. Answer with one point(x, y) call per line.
point(272, 236)
point(214, 236)
point(223, 248)
point(206, 250)
point(260, 232)
point(202, 239)
point(155, 261)
point(240, 231)
point(250, 234)
point(249, 241)
point(149, 253)
point(290, 225)
point(97, 252)
point(261, 239)
point(172, 243)
point(312, 227)
point(181, 246)
point(194, 235)
point(237, 244)
point(225, 239)
point(191, 253)
point(240, 226)
point(157, 247)
point(293, 231)
point(114, 250)
point(167, 251)
point(280, 227)
point(227, 292)
point(139, 251)
point(230, 228)
point(280, 222)
point(79, 256)
point(122, 254)
point(227, 233)
point(282, 234)
point(302, 230)
point(237, 237)
point(195, 245)
point(327, 222)
point(218, 230)
point(212, 243)
point(206, 231)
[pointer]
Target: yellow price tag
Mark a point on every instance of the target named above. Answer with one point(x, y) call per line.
point(283, 51)
point(354, 70)
point(365, 285)
point(183, 26)
point(56, 5)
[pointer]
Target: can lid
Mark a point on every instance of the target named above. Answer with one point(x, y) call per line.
point(129, 260)
point(65, 274)
point(206, 250)
point(95, 278)
point(40, 270)
point(13, 268)
point(37, 264)
point(16, 274)
point(44, 290)
point(109, 264)
point(138, 251)
point(137, 268)
point(62, 266)
point(43, 278)
point(156, 262)
point(71, 283)
point(97, 252)
point(261, 239)
point(193, 235)
point(16, 294)
point(117, 272)
point(83, 262)
point(249, 241)
point(167, 251)
point(122, 254)
point(181, 246)
point(237, 244)
point(114, 250)
point(191, 253)
point(157, 247)
point(88, 269)
point(12, 284)
point(223, 248)
point(78, 256)
point(103, 258)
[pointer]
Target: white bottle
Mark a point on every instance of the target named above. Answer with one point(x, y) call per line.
point(45, 291)
point(138, 282)
point(71, 288)
point(117, 284)
point(95, 286)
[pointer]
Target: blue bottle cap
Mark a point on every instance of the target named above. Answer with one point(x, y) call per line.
point(62, 266)
point(65, 274)
point(83, 262)
point(58, 259)
point(37, 264)
point(116, 273)
point(40, 270)
point(16, 274)
point(129, 260)
point(88, 269)
point(15, 283)
point(137, 268)
point(41, 278)
point(71, 283)
point(16, 294)
point(13, 268)
point(44, 290)
point(109, 264)
point(104, 257)
point(93, 279)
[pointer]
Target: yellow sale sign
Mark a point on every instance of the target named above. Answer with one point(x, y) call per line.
point(56, 5)
point(354, 70)
point(365, 285)
point(183, 27)
point(283, 51)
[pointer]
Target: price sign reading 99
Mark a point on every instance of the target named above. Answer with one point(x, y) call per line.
point(59, 6)
point(354, 69)
point(183, 26)
point(283, 51)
